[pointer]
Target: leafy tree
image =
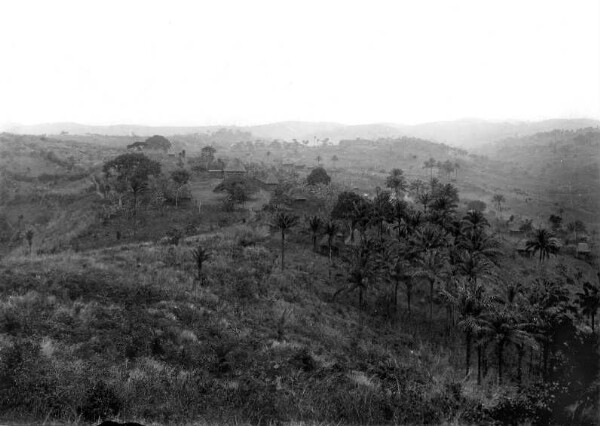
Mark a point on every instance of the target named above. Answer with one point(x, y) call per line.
point(207, 154)
point(544, 242)
point(334, 160)
point(344, 208)
point(555, 221)
point(477, 205)
point(589, 301)
point(158, 142)
point(181, 178)
point(284, 222)
point(575, 227)
point(498, 199)
point(132, 166)
point(396, 182)
point(200, 255)
point(314, 225)
point(318, 176)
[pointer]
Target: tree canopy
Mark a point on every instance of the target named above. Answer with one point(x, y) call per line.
point(317, 176)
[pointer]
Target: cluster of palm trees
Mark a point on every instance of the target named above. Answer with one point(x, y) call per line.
point(456, 260)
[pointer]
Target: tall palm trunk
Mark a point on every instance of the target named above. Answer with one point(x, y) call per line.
point(500, 361)
point(282, 250)
point(431, 284)
point(468, 337)
point(479, 360)
point(520, 354)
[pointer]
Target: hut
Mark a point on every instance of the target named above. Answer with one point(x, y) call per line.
point(298, 196)
point(522, 248)
point(515, 229)
point(583, 250)
point(234, 168)
point(271, 181)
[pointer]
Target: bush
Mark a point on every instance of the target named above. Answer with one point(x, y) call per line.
point(318, 175)
point(100, 402)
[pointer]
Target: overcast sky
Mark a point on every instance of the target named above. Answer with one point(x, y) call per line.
point(250, 62)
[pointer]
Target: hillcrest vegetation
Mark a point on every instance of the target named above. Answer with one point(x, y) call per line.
point(211, 282)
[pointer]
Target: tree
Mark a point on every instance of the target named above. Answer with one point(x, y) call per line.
point(29, 237)
point(363, 268)
point(544, 242)
point(284, 223)
point(181, 178)
point(504, 329)
point(575, 227)
point(555, 221)
point(382, 211)
point(430, 164)
point(498, 199)
point(158, 142)
point(398, 272)
point(476, 205)
point(207, 154)
point(589, 301)
point(334, 160)
point(431, 265)
point(344, 208)
point(314, 225)
point(396, 182)
point(331, 230)
point(474, 220)
point(127, 167)
point(318, 176)
point(319, 158)
point(417, 186)
point(470, 302)
point(200, 255)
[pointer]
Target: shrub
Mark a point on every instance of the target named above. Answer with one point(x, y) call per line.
point(318, 175)
point(100, 402)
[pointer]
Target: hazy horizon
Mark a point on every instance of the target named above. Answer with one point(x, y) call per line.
point(238, 63)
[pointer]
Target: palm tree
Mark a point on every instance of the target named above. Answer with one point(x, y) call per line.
point(544, 242)
point(589, 301)
point(417, 186)
point(428, 237)
point(474, 220)
point(473, 266)
point(424, 198)
point(442, 210)
point(314, 225)
point(382, 211)
point(363, 259)
point(396, 181)
point(331, 230)
point(470, 303)
point(200, 255)
point(430, 164)
point(431, 265)
point(319, 158)
point(477, 242)
point(334, 160)
point(504, 329)
point(283, 222)
point(397, 267)
point(498, 199)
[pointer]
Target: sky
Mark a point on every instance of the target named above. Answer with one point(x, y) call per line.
point(251, 62)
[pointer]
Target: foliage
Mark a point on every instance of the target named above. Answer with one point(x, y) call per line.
point(158, 142)
point(318, 176)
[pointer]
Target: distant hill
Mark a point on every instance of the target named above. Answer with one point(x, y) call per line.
point(468, 133)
